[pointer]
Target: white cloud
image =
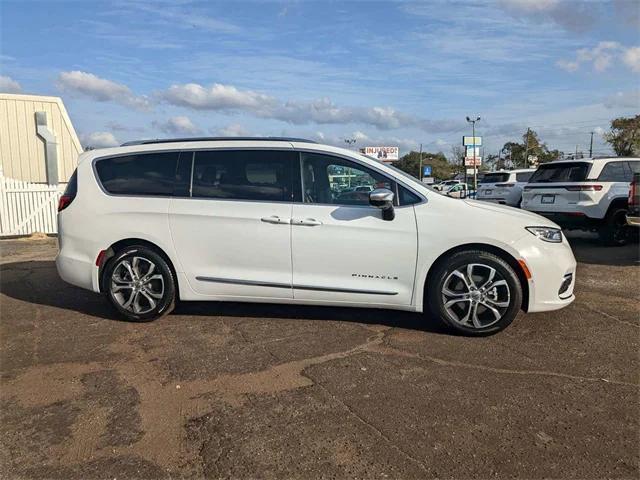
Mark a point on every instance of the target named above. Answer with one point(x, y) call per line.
point(99, 140)
point(233, 130)
point(631, 57)
point(630, 99)
point(574, 15)
point(216, 97)
point(101, 89)
point(179, 125)
point(9, 85)
point(228, 98)
point(602, 56)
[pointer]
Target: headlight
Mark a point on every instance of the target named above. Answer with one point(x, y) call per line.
point(548, 234)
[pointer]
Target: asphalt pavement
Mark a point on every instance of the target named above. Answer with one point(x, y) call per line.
point(225, 390)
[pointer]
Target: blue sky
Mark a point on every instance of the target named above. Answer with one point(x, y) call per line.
point(397, 73)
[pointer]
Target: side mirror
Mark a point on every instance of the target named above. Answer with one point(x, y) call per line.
point(382, 198)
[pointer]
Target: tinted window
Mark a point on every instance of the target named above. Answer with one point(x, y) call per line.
point(407, 197)
point(615, 172)
point(561, 172)
point(244, 175)
point(523, 176)
point(72, 186)
point(332, 180)
point(634, 166)
point(495, 177)
point(142, 174)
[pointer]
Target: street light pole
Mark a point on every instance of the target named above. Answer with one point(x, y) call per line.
point(475, 167)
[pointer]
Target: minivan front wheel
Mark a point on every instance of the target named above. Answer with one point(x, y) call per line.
point(140, 284)
point(475, 292)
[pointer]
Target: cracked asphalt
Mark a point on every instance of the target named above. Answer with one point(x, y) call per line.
point(266, 391)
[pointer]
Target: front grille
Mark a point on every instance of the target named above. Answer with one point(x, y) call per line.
point(566, 283)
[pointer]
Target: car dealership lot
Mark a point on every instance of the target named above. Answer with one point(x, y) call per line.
point(233, 390)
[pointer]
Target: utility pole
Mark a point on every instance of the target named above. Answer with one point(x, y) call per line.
point(526, 150)
point(475, 167)
point(591, 146)
point(420, 164)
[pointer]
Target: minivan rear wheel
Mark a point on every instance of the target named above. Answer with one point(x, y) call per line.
point(475, 292)
point(139, 284)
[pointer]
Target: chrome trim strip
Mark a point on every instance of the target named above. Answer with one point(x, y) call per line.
point(244, 282)
point(286, 285)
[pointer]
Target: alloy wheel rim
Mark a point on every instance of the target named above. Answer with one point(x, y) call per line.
point(136, 285)
point(476, 295)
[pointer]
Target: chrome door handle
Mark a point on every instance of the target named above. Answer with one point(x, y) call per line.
point(307, 222)
point(275, 220)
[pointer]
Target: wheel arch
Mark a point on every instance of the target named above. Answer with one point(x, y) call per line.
point(116, 247)
point(499, 252)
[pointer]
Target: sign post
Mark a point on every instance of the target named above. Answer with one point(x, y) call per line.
point(473, 142)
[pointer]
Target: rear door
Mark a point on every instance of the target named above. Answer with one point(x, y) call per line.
point(555, 187)
point(342, 249)
point(232, 230)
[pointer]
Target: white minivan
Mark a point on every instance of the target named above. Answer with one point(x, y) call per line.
point(283, 220)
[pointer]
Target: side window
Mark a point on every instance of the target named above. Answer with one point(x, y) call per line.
point(244, 175)
point(634, 166)
point(334, 181)
point(614, 172)
point(523, 176)
point(407, 197)
point(142, 174)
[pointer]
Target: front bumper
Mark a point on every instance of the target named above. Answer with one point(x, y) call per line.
point(550, 265)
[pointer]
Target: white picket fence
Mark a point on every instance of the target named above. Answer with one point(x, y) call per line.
point(27, 208)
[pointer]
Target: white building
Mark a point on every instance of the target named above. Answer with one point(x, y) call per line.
point(39, 151)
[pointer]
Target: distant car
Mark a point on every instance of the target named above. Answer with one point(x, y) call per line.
point(588, 194)
point(633, 214)
point(364, 188)
point(504, 187)
point(445, 185)
point(459, 190)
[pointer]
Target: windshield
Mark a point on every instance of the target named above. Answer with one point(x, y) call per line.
point(407, 177)
point(561, 172)
point(495, 177)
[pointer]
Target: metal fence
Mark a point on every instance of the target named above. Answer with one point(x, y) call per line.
point(27, 208)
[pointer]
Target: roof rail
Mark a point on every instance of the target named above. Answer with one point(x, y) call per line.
point(215, 139)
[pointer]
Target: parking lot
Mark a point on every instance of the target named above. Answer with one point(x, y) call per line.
point(232, 390)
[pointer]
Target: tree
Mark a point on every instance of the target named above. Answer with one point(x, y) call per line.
point(624, 136)
point(516, 154)
point(440, 166)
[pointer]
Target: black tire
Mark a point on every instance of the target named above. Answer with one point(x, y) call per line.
point(614, 232)
point(485, 261)
point(148, 312)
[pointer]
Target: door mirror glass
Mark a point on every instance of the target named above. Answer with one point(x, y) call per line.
point(382, 198)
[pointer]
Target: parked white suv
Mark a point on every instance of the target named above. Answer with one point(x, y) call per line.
point(264, 220)
point(588, 194)
point(504, 187)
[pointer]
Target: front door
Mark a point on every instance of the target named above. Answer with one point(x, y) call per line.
point(232, 233)
point(342, 249)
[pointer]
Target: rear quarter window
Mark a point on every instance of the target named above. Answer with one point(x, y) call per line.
point(615, 172)
point(147, 174)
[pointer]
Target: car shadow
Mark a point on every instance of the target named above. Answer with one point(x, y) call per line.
point(588, 249)
point(37, 282)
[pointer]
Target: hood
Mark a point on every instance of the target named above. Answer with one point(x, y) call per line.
point(530, 218)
